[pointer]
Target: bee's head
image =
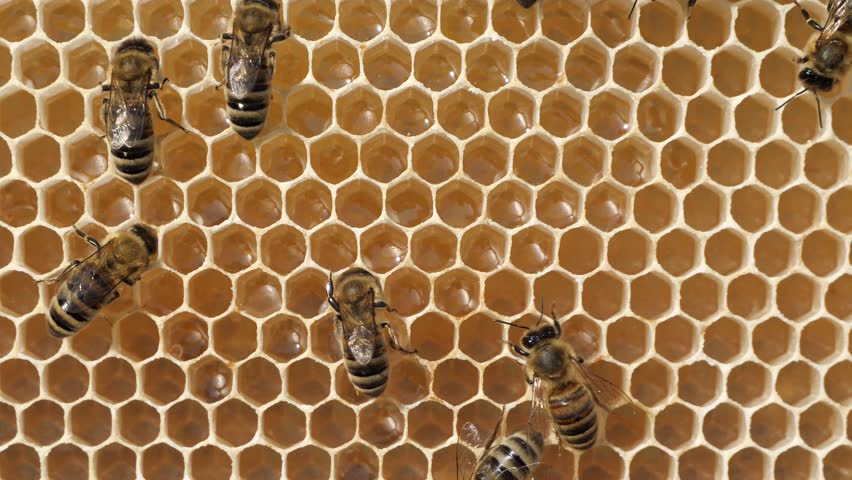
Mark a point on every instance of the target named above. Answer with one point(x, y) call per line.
point(148, 237)
point(831, 54)
point(256, 15)
point(534, 337)
point(816, 81)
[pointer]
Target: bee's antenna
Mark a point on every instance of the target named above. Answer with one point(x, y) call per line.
point(632, 8)
point(819, 109)
point(779, 107)
point(541, 311)
point(512, 324)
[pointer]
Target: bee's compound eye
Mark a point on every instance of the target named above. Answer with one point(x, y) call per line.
point(580, 360)
point(529, 341)
point(549, 332)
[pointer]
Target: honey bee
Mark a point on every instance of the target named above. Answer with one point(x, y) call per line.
point(248, 64)
point(514, 458)
point(564, 386)
point(91, 283)
point(829, 57)
point(129, 128)
point(689, 5)
point(359, 295)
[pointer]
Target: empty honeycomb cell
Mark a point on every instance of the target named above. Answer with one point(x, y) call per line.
point(184, 248)
point(602, 462)
point(660, 23)
point(584, 160)
point(210, 379)
point(679, 161)
point(506, 292)
point(7, 246)
point(610, 23)
point(160, 202)
point(408, 291)
point(308, 203)
point(699, 383)
point(18, 115)
point(748, 383)
point(479, 337)
point(335, 64)
point(160, 18)
point(138, 336)
point(606, 207)
point(798, 120)
point(820, 425)
point(233, 159)
point(702, 208)
point(235, 422)
point(437, 65)
point(837, 384)
point(111, 202)
point(383, 247)
point(558, 204)
point(652, 381)
point(138, 422)
point(308, 462)
point(37, 342)
point(186, 423)
point(627, 251)
point(825, 164)
point(684, 70)
point(20, 461)
point(309, 382)
point(561, 113)
point(259, 380)
point(362, 21)
point(796, 296)
point(706, 118)
point(457, 292)
point(727, 163)
point(162, 461)
point(731, 70)
point(610, 115)
point(503, 381)
point(725, 251)
point(650, 296)
point(410, 382)
point(435, 159)
point(837, 211)
point(381, 423)
point(333, 247)
point(206, 111)
point(66, 379)
point(534, 159)
point(538, 65)
point(562, 289)
point(114, 379)
point(184, 156)
point(796, 463)
point(433, 248)
point(430, 424)
point(384, 157)
point(776, 163)
point(258, 293)
point(308, 111)
point(603, 295)
point(749, 464)
point(464, 21)
point(332, 424)
point(356, 461)
point(699, 462)
point(234, 337)
point(210, 292)
point(5, 65)
point(409, 203)
point(94, 341)
point(836, 463)
point(62, 111)
point(42, 422)
point(283, 424)
point(627, 339)
point(305, 294)
point(772, 340)
point(725, 340)
point(586, 65)
point(90, 422)
point(413, 21)
point(509, 204)
point(489, 65)
point(631, 161)
point(8, 423)
point(209, 202)
point(40, 249)
point(483, 248)
point(184, 62)
point(512, 22)
point(754, 117)
point(115, 461)
point(405, 461)
point(511, 113)
point(532, 250)
point(67, 461)
point(162, 381)
point(796, 383)
point(634, 68)
point(748, 296)
point(756, 25)
point(410, 112)
point(283, 158)
point(485, 159)
point(652, 463)
point(209, 18)
point(18, 293)
point(820, 340)
point(359, 111)
point(387, 64)
point(38, 64)
point(658, 116)
point(284, 337)
point(654, 208)
point(462, 113)
point(710, 24)
point(334, 157)
point(259, 203)
point(773, 252)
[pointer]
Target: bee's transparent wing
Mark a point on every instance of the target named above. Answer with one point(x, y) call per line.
point(359, 327)
point(606, 394)
point(361, 344)
point(127, 112)
point(839, 14)
point(246, 60)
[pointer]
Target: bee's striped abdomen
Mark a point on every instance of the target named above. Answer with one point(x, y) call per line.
point(248, 114)
point(372, 378)
point(573, 411)
point(134, 160)
point(77, 301)
point(513, 459)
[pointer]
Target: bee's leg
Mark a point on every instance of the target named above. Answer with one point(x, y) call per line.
point(161, 112)
point(114, 297)
point(338, 327)
point(223, 63)
point(393, 343)
point(90, 240)
point(811, 22)
point(106, 88)
point(284, 34)
point(63, 274)
point(129, 281)
point(384, 305)
point(270, 61)
point(520, 351)
point(329, 293)
point(227, 36)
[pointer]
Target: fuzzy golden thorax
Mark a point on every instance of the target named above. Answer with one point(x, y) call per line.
point(130, 65)
point(254, 17)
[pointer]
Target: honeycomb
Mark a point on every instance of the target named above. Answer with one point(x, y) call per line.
point(475, 155)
